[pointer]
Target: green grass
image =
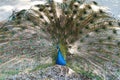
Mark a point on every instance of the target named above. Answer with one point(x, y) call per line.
point(40, 67)
point(2, 76)
point(10, 72)
point(5, 74)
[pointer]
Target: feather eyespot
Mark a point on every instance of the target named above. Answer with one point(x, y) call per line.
point(110, 23)
point(109, 37)
point(41, 16)
point(52, 17)
point(77, 24)
point(95, 3)
point(41, 9)
point(50, 11)
point(114, 31)
point(96, 30)
point(118, 43)
point(87, 36)
point(89, 7)
point(69, 46)
point(104, 28)
point(74, 11)
point(37, 5)
point(66, 12)
point(76, 6)
point(79, 2)
point(81, 18)
point(85, 12)
point(82, 40)
point(118, 23)
point(101, 11)
point(86, 27)
point(94, 15)
point(81, 32)
point(91, 21)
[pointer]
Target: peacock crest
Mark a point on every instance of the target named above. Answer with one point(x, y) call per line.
point(92, 35)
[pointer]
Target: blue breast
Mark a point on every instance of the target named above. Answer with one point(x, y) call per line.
point(60, 59)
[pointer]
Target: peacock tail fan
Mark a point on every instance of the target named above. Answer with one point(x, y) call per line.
point(90, 39)
point(23, 36)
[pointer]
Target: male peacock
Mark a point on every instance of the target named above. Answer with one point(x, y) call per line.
point(91, 36)
point(60, 59)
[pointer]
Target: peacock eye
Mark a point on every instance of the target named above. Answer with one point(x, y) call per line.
point(118, 43)
point(51, 17)
point(46, 23)
point(110, 23)
point(74, 11)
point(76, 6)
point(79, 48)
point(109, 37)
point(86, 27)
point(81, 18)
point(69, 46)
point(72, 41)
point(91, 21)
point(104, 27)
point(85, 12)
point(37, 5)
point(87, 36)
point(41, 9)
point(118, 23)
point(79, 2)
point(41, 16)
point(89, 7)
point(96, 30)
point(82, 40)
point(71, 18)
point(50, 11)
point(95, 3)
point(66, 12)
point(80, 32)
point(114, 31)
point(101, 11)
point(77, 24)
point(94, 15)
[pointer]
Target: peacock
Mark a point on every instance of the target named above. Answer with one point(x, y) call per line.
point(86, 39)
point(60, 59)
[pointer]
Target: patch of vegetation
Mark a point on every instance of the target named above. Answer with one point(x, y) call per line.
point(41, 66)
point(2, 77)
point(5, 74)
point(10, 72)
